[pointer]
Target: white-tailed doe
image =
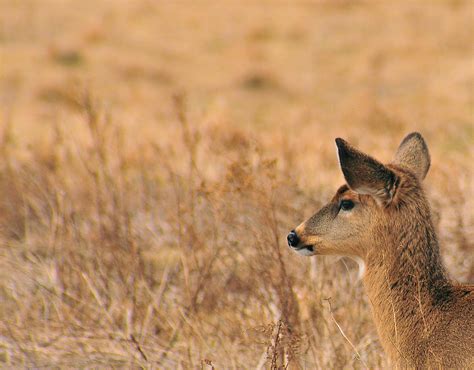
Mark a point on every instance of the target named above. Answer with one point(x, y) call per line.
point(382, 218)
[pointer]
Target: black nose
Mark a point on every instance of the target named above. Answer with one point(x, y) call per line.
point(293, 239)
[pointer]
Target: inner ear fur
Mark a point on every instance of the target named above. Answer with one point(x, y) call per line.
point(366, 175)
point(413, 154)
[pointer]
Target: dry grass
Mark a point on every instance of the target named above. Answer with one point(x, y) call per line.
point(155, 154)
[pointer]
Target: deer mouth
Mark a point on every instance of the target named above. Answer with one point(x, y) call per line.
point(305, 250)
point(309, 248)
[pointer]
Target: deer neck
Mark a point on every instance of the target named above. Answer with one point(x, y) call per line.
point(406, 284)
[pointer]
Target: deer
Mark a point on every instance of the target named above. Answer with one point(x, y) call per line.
point(381, 218)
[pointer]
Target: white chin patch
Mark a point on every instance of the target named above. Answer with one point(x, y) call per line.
point(305, 251)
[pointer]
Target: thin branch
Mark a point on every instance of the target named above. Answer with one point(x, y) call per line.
point(344, 334)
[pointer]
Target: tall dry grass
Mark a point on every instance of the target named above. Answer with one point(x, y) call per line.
point(154, 156)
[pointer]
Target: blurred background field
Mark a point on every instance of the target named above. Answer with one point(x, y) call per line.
point(154, 155)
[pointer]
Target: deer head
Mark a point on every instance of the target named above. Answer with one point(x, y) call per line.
point(374, 195)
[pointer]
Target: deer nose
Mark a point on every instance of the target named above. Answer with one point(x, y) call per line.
point(293, 239)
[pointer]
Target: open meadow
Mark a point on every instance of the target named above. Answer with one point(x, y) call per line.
point(155, 154)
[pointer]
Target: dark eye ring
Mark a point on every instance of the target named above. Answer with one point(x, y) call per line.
point(346, 205)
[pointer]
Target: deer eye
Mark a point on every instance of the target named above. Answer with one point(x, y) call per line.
point(346, 205)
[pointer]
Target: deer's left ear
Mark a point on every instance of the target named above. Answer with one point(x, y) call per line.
point(413, 154)
point(365, 175)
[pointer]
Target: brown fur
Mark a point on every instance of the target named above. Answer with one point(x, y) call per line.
point(423, 319)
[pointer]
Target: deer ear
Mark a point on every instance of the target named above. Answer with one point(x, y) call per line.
point(413, 154)
point(364, 174)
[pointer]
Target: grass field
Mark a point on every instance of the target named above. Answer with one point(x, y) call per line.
point(154, 155)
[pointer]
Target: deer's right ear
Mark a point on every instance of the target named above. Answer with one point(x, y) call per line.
point(364, 174)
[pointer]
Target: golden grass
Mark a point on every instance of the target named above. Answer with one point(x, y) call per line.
point(155, 154)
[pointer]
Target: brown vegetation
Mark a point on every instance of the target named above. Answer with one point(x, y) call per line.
point(155, 154)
